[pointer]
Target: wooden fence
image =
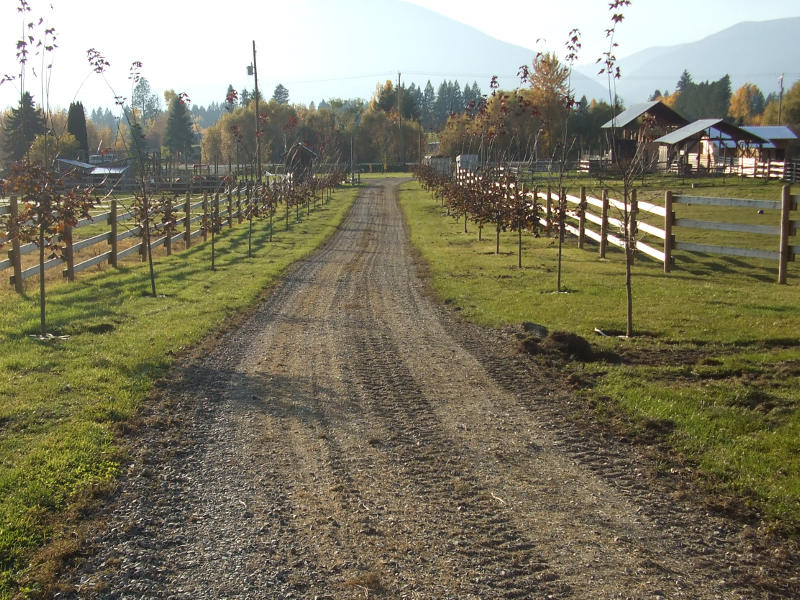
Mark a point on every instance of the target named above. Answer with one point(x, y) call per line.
point(582, 212)
point(228, 208)
point(581, 218)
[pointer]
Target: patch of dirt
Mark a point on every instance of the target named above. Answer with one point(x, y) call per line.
point(353, 440)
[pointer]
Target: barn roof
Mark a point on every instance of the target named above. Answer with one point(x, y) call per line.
point(109, 170)
point(772, 132)
point(76, 163)
point(658, 109)
point(697, 130)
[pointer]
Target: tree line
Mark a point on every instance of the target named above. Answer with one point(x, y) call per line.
point(388, 129)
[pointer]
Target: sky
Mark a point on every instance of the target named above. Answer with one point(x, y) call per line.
point(201, 47)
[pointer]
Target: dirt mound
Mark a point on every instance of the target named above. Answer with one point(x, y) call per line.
point(564, 343)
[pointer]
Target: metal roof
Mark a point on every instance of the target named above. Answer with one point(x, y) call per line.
point(772, 132)
point(658, 109)
point(76, 163)
point(694, 130)
point(109, 170)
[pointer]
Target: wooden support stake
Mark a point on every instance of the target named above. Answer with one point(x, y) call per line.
point(167, 232)
point(230, 208)
point(215, 220)
point(239, 204)
point(669, 219)
point(786, 232)
point(604, 225)
point(187, 223)
point(205, 216)
point(14, 254)
point(632, 228)
point(69, 255)
point(113, 240)
point(549, 215)
point(582, 218)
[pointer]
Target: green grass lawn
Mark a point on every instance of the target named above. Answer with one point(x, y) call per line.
point(62, 401)
point(722, 339)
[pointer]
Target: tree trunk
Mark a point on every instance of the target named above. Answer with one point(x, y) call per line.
point(43, 323)
point(628, 293)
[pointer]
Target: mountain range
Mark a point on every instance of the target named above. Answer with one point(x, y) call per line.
point(750, 52)
point(442, 48)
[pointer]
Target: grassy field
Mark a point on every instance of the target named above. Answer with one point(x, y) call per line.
point(716, 360)
point(62, 401)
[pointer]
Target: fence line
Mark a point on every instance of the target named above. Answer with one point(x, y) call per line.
point(578, 221)
point(192, 213)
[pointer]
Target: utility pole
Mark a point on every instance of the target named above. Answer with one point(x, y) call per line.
point(780, 101)
point(258, 121)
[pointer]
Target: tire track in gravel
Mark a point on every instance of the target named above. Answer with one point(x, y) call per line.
point(350, 441)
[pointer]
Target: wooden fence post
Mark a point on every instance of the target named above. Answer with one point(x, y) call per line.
point(786, 232)
point(604, 225)
point(69, 255)
point(14, 254)
point(187, 223)
point(239, 204)
point(230, 208)
point(582, 218)
point(205, 216)
point(669, 219)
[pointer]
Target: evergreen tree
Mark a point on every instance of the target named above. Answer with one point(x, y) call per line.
point(428, 102)
point(441, 107)
point(137, 146)
point(684, 82)
point(76, 125)
point(412, 102)
point(146, 102)
point(178, 136)
point(281, 94)
point(22, 126)
point(456, 99)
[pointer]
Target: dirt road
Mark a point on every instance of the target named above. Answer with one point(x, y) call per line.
point(351, 440)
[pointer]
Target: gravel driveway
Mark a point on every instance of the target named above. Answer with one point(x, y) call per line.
point(352, 440)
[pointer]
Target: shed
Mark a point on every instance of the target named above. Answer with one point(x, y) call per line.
point(697, 144)
point(778, 138)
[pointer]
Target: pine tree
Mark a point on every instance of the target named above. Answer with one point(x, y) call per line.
point(428, 101)
point(21, 128)
point(281, 94)
point(76, 125)
point(178, 136)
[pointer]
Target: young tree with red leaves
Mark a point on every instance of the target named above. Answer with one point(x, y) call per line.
point(46, 212)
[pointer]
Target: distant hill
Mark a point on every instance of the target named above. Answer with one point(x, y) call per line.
point(382, 38)
point(750, 52)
